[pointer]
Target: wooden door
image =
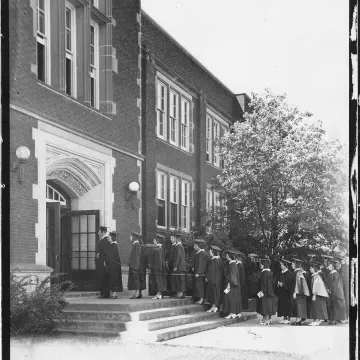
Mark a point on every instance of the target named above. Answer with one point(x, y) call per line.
point(80, 239)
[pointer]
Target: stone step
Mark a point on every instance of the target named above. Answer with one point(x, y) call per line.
point(81, 294)
point(125, 305)
point(87, 332)
point(97, 326)
point(74, 314)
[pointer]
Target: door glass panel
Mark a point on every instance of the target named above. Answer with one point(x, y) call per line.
point(83, 242)
point(74, 224)
point(91, 242)
point(91, 223)
point(75, 263)
point(91, 263)
point(75, 254)
point(83, 223)
point(75, 242)
point(83, 263)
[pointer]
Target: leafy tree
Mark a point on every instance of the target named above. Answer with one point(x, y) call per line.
point(287, 181)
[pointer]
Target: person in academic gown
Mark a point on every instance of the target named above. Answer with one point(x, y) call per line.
point(231, 300)
point(113, 264)
point(199, 268)
point(158, 268)
point(179, 265)
point(300, 292)
point(266, 292)
point(337, 297)
point(283, 290)
point(343, 269)
point(101, 270)
point(241, 281)
point(134, 266)
point(325, 270)
point(214, 278)
point(307, 277)
point(319, 295)
point(171, 278)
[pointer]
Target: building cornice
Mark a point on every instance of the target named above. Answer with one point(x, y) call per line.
point(72, 129)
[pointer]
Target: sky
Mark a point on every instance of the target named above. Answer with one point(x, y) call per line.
point(295, 47)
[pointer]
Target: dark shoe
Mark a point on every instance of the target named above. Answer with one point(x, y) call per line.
point(114, 297)
point(103, 297)
point(138, 297)
point(181, 297)
point(133, 297)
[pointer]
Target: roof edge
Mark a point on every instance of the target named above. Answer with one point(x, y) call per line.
point(192, 57)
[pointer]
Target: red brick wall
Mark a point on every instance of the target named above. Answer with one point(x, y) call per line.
point(23, 208)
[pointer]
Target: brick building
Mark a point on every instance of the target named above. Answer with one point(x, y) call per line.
point(102, 96)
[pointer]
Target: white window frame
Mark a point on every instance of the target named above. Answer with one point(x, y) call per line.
point(44, 38)
point(94, 68)
point(217, 202)
point(216, 134)
point(185, 122)
point(173, 117)
point(209, 199)
point(71, 54)
point(174, 199)
point(160, 196)
point(94, 3)
point(61, 199)
point(209, 138)
point(161, 108)
point(224, 130)
point(185, 205)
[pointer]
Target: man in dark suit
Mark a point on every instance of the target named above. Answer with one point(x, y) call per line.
point(102, 272)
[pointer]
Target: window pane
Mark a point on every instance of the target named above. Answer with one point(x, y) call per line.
point(41, 61)
point(75, 242)
point(68, 76)
point(83, 242)
point(83, 263)
point(68, 18)
point(91, 263)
point(83, 223)
point(161, 213)
point(41, 4)
point(41, 25)
point(173, 210)
point(92, 92)
point(75, 224)
point(91, 242)
point(56, 196)
point(91, 223)
point(68, 40)
point(75, 263)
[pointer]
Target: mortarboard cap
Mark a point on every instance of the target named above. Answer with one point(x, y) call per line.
point(135, 234)
point(214, 247)
point(159, 236)
point(337, 259)
point(113, 234)
point(297, 260)
point(311, 256)
point(104, 228)
point(253, 255)
point(328, 257)
point(200, 241)
point(151, 246)
point(285, 261)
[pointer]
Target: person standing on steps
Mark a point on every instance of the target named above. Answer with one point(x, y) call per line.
point(179, 264)
point(326, 260)
point(343, 269)
point(300, 292)
point(283, 290)
point(241, 281)
point(158, 267)
point(134, 266)
point(101, 269)
point(113, 264)
point(214, 279)
point(231, 299)
point(266, 293)
point(199, 270)
point(171, 277)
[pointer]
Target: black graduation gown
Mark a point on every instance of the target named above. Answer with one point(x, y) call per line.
point(232, 300)
point(344, 273)
point(200, 267)
point(158, 270)
point(300, 303)
point(265, 304)
point(284, 294)
point(309, 298)
point(337, 298)
point(171, 281)
point(179, 263)
point(134, 267)
point(113, 264)
point(102, 272)
point(214, 276)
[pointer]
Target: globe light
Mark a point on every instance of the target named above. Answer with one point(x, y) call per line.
point(22, 153)
point(134, 186)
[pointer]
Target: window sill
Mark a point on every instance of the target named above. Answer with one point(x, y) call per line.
point(214, 166)
point(174, 146)
point(73, 100)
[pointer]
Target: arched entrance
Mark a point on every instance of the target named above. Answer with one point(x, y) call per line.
point(71, 234)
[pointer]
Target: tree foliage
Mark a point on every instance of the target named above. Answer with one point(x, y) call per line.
point(288, 181)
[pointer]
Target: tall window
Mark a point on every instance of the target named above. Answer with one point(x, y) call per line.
point(174, 105)
point(174, 201)
point(42, 40)
point(161, 199)
point(94, 3)
point(161, 110)
point(208, 139)
point(209, 199)
point(224, 130)
point(70, 68)
point(185, 192)
point(185, 124)
point(94, 65)
point(216, 131)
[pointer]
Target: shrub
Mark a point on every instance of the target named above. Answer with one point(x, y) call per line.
point(37, 311)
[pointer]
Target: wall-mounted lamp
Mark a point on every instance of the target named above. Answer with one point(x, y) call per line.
point(131, 190)
point(22, 153)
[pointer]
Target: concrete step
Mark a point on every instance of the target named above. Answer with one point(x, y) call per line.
point(81, 294)
point(88, 332)
point(183, 330)
point(125, 305)
point(77, 314)
point(97, 326)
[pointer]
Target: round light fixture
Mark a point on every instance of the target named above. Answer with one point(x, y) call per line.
point(134, 186)
point(22, 153)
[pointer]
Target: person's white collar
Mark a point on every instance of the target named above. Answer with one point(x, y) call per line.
point(136, 241)
point(284, 271)
point(215, 257)
point(333, 271)
point(297, 269)
point(238, 262)
point(231, 261)
point(113, 242)
point(199, 251)
point(265, 270)
point(105, 236)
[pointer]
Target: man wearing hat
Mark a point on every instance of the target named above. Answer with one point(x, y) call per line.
point(171, 278)
point(200, 263)
point(343, 271)
point(214, 278)
point(300, 292)
point(102, 272)
point(179, 265)
point(283, 291)
point(158, 267)
point(134, 266)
